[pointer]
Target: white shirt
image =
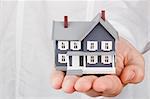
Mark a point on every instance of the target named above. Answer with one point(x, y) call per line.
point(26, 49)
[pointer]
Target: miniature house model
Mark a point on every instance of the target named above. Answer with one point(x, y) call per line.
point(85, 47)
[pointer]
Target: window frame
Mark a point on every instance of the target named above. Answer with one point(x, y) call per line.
point(60, 45)
point(92, 45)
point(106, 59)
point(106, 45)
point(91, 58)
point(60, 58)
point(72, 45)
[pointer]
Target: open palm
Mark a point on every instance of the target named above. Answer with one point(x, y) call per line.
point(129, 66)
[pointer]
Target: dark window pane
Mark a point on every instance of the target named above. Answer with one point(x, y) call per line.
point(92, 45)
point(70, 60)
point(81, 60)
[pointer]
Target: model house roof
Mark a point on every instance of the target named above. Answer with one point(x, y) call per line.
point(79, 30)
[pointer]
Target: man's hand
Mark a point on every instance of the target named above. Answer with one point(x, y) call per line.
point(129, 66)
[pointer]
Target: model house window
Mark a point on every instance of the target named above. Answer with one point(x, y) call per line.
point(106, 45)
point(63, 45)
point(92, 59)
point(62, 58)
point(106, 59)
point(75, 45)
point(92, 45)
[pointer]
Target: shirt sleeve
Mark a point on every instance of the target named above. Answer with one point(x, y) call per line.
point(124, 32)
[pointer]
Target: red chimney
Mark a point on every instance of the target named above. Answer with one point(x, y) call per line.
point(65, 21)
point(103, 14)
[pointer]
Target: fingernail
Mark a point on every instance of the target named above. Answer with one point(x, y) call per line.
point(131, 76)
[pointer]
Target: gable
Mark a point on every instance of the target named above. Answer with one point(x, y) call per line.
point(99, 33)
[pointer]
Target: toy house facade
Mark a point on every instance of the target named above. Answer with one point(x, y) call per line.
point(85, 47)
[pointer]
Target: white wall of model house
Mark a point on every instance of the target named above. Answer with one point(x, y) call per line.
point(91, 46)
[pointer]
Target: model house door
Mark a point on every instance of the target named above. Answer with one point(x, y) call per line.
point(77, 61)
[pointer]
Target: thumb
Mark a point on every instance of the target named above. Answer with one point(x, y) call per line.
point(132, 74)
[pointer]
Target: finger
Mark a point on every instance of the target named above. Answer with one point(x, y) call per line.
point(57, 79)
point(85, 83)
point(69, 82)
point(109, 85)
point(132, 74)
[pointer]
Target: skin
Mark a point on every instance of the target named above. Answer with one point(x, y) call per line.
point(129, 67)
